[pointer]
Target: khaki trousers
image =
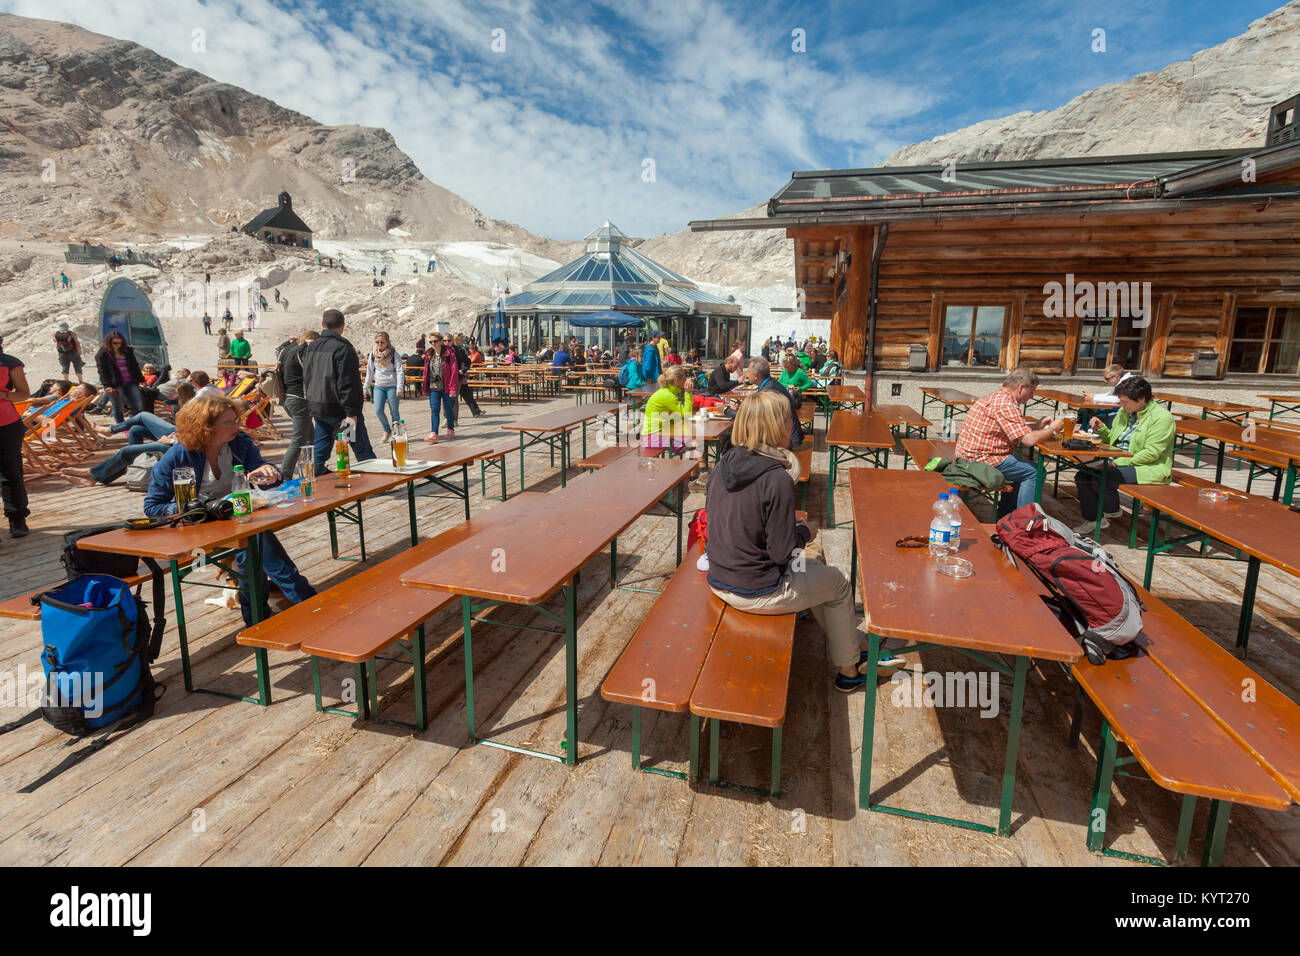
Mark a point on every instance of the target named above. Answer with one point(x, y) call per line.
point(822, 589)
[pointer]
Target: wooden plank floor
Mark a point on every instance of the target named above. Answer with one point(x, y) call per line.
point(210, 781)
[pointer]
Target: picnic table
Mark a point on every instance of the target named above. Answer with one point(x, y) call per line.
point(1210, 408)
point(856, 436)
point(1290, 404)
point(1054, 449)
point(955, 402)
point(1283, 444)
point(842, 396)
point(528, 560)
point(1059, 398)
point(552, 429)
point(905, 417)
point(993, 613)
point(1267, 532)
point(218, 541)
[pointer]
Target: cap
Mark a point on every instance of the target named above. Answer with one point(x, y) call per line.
point(63, 326)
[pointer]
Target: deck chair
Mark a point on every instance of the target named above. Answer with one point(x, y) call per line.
point(265, 431)
point(49, 446)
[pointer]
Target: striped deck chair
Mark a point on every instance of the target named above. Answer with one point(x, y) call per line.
point(49, 445)
point(265, 431)
point(243, 387)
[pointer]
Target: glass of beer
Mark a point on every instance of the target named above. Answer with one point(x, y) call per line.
point(307, 478)
point(397, 448)
point(185, 488)
point(1069, 427)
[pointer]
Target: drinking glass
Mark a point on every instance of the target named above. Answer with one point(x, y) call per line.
point(185, 488)
point(1069, 427)
point(307, 478)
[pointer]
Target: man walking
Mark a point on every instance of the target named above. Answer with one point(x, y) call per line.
point(462, 365)
point(207, 324)
point(69, 351)
point(331, 377)
point(241, 350)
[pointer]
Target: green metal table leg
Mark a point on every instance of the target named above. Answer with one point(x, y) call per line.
point(466, 623)
point(180, 626)
point(253, 569)
point(1200, 441)
point(1101, 790)
point(636, 738)
point(1184, 828)
point(1151, 548)
point(1041, 478)
point(1290, 482)
point(410, 507)
point(613, 562)
point(1216, 833)
point(1248, 604)
point(315, 683)
point(521, 461)
point(830, 490)
point(1013, 746)
point(372, 687)
point(464, 484)
point(571, 670)
point(775, 788)
point(361, 530)
point(695, 747)
point(869, 722)
point(1101, 498)
point(334, 535)
point(421, 682)
point(713, 751)
point(681, 510)
point(853, 565)
point(1133, 524)
point(363, 692)
point(1218, 466)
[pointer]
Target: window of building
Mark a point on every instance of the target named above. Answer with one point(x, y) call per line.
point(1106, 340)
point(1266, 341)
point(972, 335)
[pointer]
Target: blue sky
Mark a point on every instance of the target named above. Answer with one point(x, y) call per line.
point(558, 115)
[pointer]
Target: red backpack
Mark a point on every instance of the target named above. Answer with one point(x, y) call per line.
point(1088, 592)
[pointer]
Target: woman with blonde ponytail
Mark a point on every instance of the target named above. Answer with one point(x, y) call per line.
point(667, 409)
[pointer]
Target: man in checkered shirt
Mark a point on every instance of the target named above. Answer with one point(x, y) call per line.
point(995, 425)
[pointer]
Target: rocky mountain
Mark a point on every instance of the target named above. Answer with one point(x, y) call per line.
point(103, 138)
point(1219, 99)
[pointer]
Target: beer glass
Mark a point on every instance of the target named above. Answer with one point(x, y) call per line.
point(1069, 427)
point(397, 447)
point(307, 478)
point(185, 488)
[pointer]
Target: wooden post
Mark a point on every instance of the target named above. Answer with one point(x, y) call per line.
point(936, 331)
point(853, 310)
point(1070, 356)
point(1157, 340)
point(1015, 328)
point(1227, 322)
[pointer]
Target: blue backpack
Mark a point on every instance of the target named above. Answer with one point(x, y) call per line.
point(623, 378)
point(95, 653)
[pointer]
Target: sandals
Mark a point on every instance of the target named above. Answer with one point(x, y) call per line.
point(431, 438)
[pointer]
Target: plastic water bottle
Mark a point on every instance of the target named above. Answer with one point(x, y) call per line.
point(241, 495)
point(954, 511)
point(940, 527)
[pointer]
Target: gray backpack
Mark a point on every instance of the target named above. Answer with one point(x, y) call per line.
point(139, 472)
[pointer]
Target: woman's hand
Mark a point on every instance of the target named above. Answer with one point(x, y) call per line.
point(268, 474)
point(1096, 424)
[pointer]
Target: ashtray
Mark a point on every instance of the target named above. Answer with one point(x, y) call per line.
point(1213, 494)
point(954, 566)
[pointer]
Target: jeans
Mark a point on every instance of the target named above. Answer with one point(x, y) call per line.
point(1087, 481)
point(134, 400)
point(12, 488)
point(280, 569)
point(1022, 476)
point(327, 430)
point(386, 397)
point(303, 433)
point(447, 404)
point(145, 423)
point(113, 468)
point(824, 590)
point(467, 393)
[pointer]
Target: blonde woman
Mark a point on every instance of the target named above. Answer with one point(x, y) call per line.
point(383, 380)
point(667, 409)
point(754, 536)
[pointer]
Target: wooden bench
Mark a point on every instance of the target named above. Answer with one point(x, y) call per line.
point(495, 457)
point(921, 450)
point(804, 455)
point(582, 392)
point(356, 619)
point(1262, 463)
point(1176, 477)
point(607, 456)
point(695, 653)
point(21, 608)
point(1183, 687)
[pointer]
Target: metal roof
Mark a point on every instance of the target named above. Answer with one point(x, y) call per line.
point(980, 182)
point(611, 275)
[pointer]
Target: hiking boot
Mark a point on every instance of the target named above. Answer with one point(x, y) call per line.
point(18, 528)
point(847, 685)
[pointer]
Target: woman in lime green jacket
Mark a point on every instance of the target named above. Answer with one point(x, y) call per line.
point(1145, 429)
point(673, 404)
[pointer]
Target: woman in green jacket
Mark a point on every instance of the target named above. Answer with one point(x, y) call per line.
point(793, 375)
point(667, 409)
point(1145, 429)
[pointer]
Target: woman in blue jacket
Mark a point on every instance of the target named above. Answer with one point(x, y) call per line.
point(209, 441)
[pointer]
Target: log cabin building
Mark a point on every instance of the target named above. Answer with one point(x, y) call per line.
point(1177, 264)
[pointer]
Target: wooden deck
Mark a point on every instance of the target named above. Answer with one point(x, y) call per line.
point(211, 781)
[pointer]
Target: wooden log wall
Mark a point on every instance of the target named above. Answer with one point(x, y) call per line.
point(1202, 262)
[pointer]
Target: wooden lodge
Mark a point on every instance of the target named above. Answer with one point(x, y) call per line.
point(1180, 264)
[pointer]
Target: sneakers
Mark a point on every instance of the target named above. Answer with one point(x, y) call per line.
point(431, 438)
point(450, 434)
point(1088, 527)
point(847, 685)
point(18, 528)
point(886, 660)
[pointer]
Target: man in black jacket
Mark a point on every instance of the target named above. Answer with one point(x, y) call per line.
point(331, 377)
point(721, 382)
point(295, 399)
point(462, 365)
point(760, 374)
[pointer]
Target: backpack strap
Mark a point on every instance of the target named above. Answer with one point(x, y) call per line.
point(159, 618)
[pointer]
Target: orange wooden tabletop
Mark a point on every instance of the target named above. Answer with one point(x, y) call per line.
point(562, 418)
point(1259, 526)
point(902, 415)
point(994, 610)
point(543, 549)
point(1054, 447)
point(860, 430)
point(1073, 399)
point(1212, 404)
point(950, 396)
point(1280, 398)
point(174, 543)
point(1286, 444)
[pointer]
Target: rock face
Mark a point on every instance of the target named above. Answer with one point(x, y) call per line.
point(1219, 99)
point(104, 138)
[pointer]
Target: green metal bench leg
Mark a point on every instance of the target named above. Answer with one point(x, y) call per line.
point(1248, 604)
point(465, 616)
point(695, 748)
point(636, 738)
point(334, 535)
point(372, 685)
point(1101, 790)
point(775, 788)
point(1184, 828)
point(315, 682)
point(1151, 548)
point(1133, 524)
point(421, 681)
point(1216, 833)
point(363, 692)
point(1013, 746)
point(613, 562)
